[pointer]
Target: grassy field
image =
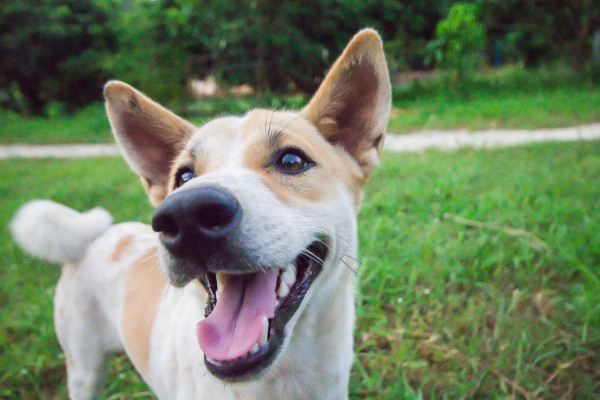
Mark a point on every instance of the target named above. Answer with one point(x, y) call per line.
point(479, 276)
point(510, 97)
point(551, 108)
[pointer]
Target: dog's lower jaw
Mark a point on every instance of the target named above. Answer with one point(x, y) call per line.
point(315, 363)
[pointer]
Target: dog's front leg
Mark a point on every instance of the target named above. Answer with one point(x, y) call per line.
point(82, 333)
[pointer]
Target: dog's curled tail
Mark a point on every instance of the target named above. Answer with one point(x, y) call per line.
point(55, 232)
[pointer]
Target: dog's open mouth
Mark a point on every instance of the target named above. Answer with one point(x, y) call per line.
point(246, 314)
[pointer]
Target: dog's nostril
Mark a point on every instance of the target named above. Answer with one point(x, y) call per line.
point(166, 224)
point(196, 222)
point(214, 217)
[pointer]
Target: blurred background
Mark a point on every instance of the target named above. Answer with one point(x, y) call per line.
point(55, 55)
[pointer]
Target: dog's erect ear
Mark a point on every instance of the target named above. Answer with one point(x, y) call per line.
point(149, 135)
point(352, 106)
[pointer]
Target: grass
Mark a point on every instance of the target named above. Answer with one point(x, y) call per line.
point(510, 97)
point(86, 126)
point(479, 276)
point(550, 108)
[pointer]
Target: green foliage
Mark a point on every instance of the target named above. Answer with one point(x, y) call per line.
point(145, 59)
point(55, 55)
point(459, 44)
point(448, 308)
point(289, 45)
point(462, 38)
point(271, 45)
point(51, 50)
point(538, 32)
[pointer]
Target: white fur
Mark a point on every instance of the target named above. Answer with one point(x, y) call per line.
point(112, 295)
point(55, 232)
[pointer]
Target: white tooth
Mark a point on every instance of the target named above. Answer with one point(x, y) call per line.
point(283, 290)
point(289, 276)
point(254, 348)
point(264, 333)
point(277, 302)
point(220, 281)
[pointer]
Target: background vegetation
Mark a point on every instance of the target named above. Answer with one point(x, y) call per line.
point(56, 54)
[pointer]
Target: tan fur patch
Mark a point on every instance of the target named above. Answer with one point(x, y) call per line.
point(333, 164)
point(143, 292)
point(121, 247)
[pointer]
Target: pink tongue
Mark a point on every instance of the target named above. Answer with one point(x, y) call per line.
point(235, 324)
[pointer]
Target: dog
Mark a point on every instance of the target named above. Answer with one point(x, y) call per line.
point(243, 287)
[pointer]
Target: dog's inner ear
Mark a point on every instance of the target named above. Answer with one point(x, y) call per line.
point(149, 135)
point(352, 106)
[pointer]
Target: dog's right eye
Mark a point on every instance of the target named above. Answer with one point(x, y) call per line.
point(183, 175)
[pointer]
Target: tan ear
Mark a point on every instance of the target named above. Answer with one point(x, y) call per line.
point(149, 135)
point(352, 106)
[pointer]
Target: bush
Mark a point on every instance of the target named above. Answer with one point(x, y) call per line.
point(459, 44)
point(51, 51)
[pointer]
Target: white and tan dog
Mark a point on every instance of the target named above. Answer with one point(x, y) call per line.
point(256, 222)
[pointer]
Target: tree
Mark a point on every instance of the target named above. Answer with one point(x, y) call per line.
point(51, 50)
point(539, 31)
point(148, 57)
point(460, 39)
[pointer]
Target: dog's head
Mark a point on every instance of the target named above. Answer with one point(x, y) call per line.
point(261, 209)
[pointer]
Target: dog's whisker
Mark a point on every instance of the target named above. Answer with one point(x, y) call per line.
point(348, 265)
point(286, 125)
point(312, 256)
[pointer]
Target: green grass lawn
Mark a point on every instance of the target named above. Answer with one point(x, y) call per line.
point(89, 125)
point(479, 276)
point(547, 108)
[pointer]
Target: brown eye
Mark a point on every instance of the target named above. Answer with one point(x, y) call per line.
point(183, 175)
point(293, 161)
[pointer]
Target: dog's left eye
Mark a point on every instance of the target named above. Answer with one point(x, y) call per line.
point(183, 175)
point(293, 161)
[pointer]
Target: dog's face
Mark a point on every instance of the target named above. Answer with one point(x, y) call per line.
point(261, 209)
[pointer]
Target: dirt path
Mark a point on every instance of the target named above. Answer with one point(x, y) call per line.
point(441, 140)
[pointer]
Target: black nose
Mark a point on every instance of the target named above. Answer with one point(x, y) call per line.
point(196, 222)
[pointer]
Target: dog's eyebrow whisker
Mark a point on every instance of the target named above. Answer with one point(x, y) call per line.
point(276, 135)
point(289, 123)
point(273, 136)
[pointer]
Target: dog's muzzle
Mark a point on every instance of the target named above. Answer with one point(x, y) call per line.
point(248, 309)
point(195, 223)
